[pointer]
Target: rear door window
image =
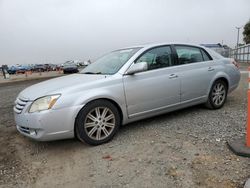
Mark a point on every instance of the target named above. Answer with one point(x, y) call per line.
point(188, 54)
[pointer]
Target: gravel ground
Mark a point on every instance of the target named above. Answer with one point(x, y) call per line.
point(186, 148)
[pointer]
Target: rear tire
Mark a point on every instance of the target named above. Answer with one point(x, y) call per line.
point(217, 95)
point(97, 122)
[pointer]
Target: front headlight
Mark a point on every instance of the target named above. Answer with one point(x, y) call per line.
point(43, 103)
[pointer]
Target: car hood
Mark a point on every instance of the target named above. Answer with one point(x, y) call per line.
point(57, 85)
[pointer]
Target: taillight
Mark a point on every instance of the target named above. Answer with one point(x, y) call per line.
point(235, 63)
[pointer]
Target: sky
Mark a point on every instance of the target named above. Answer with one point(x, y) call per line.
point(54, 31)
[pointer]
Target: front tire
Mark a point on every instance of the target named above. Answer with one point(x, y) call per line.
point(218, 95)
point(97, 122)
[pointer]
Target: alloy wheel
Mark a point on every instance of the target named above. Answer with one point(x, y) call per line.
point(99, 123)
point(218, 94)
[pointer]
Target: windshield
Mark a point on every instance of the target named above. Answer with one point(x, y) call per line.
point(111, 62)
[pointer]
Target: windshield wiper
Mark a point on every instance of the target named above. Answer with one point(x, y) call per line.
point(92, 72)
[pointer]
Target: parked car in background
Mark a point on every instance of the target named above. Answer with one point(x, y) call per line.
point(52, 67)
point(39, 68)
point(18, 69)
point(26, 68)
point(123, 86)
point(70, 68)
point(12, 70)
point(46, 67)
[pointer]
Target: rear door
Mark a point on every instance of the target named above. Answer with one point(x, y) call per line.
point(156, 88)
point(196, 72)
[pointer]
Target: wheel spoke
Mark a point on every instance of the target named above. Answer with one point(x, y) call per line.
point(90, 116)
point(216, 101)
point(221, 98)
point(214, 98)
point(222, 93)
point(92, 124)
point(216, 87)
point(105, 111)
point(111, 125)
point(97, 111)
point(111, 116)
point(98, 134)
point(92, 131)
point(221, 88)
point(105, 131)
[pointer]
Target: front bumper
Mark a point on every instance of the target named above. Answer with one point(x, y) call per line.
point(47, 125)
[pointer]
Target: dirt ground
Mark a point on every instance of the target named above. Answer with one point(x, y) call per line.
point(186, 149)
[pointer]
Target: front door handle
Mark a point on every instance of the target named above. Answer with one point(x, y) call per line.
point(210, 69)
point(172, 76)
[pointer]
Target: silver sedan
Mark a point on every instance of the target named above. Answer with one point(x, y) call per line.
point(123, 86)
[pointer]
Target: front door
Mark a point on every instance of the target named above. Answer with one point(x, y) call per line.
point(156, 88)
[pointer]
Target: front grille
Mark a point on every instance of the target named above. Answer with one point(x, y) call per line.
point(20, 104)
point(24, 129)
point(27, 130)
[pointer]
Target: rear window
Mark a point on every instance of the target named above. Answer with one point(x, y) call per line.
point(188, 54)
point(214, 54)
point(205, 56)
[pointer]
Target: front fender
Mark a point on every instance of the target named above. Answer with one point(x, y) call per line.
point(84, 97)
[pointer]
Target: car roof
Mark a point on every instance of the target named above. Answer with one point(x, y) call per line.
point(144, 47)
point(150, 45)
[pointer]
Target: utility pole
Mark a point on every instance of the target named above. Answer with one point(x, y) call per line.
point(237, 45)
point(238, 35)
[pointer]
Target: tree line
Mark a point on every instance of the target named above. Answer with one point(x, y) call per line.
point(246, 33)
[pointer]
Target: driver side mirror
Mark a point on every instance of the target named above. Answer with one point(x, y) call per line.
point(137, 67)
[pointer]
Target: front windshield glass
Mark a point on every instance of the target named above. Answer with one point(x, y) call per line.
point(111, 62)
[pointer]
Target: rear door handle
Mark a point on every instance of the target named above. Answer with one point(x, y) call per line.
point(210, 69)
point(172, 76)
